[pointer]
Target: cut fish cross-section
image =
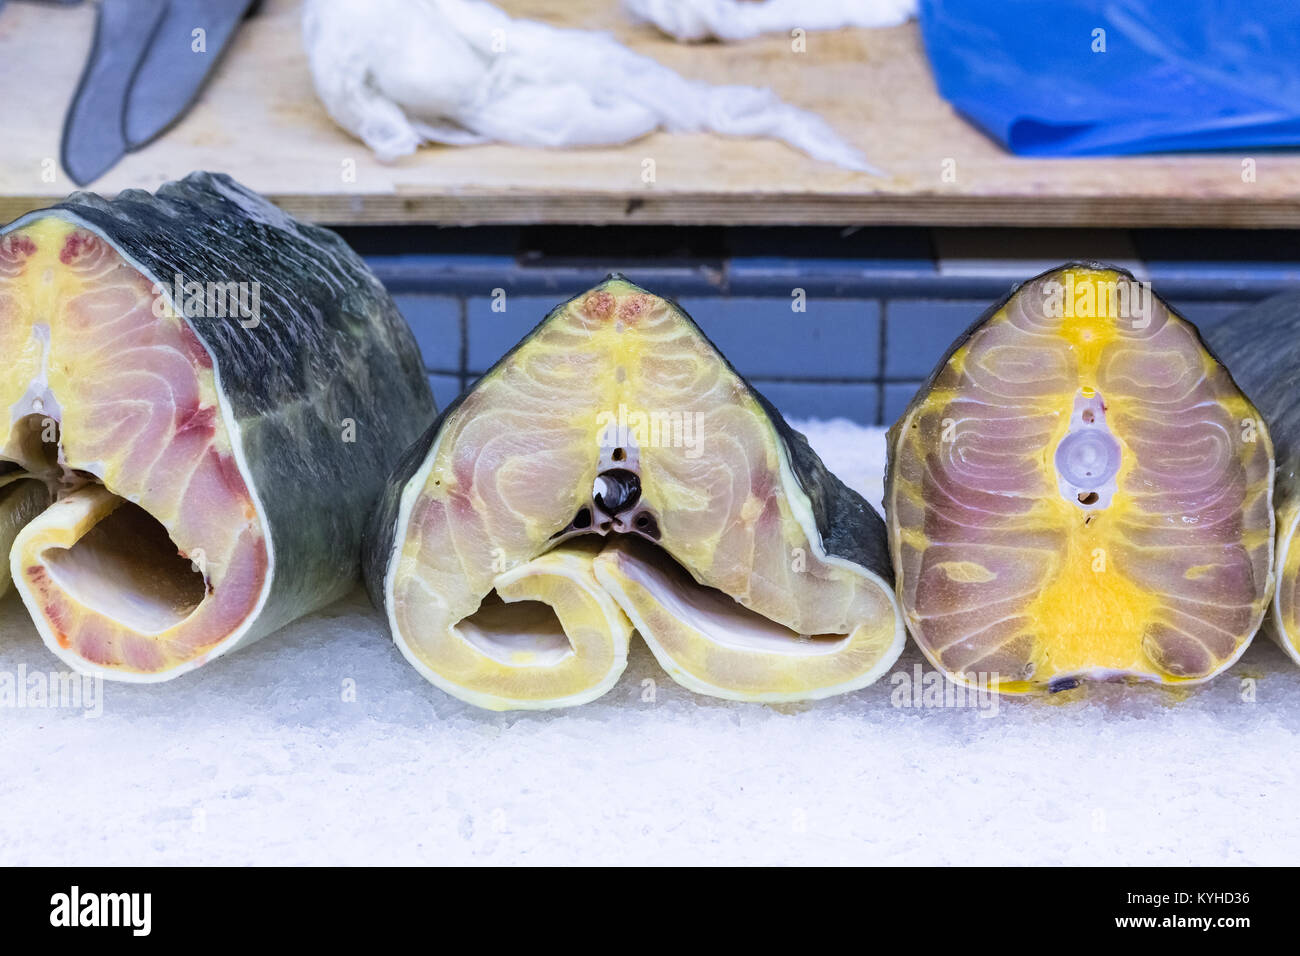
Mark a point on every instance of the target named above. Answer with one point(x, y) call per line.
point(178, 475)
point(1080, 491)
point(614, 472)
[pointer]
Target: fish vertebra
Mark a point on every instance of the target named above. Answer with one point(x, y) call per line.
point(614, 471)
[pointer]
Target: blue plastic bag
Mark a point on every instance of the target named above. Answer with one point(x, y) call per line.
point(1080, 77)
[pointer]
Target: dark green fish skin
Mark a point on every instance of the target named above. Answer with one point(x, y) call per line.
point(1261, 347)
point(330, 347)
point(850, 528)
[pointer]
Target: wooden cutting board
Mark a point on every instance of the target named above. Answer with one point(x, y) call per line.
point(260, 121)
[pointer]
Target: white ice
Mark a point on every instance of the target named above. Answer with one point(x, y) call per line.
point(260, 759)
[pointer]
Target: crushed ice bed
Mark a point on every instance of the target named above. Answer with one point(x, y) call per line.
point(320, 745)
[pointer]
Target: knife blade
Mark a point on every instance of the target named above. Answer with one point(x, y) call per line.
point(93, 138)
point(178, 62)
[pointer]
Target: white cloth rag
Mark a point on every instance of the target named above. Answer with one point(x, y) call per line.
point(398, 73)
point(730, 20)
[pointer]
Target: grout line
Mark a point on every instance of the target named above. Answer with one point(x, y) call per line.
point(880, 362)
point(464, 341)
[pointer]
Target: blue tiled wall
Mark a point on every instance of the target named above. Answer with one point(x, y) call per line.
point(436, 321)
point(490, 334)
point(881, 306)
